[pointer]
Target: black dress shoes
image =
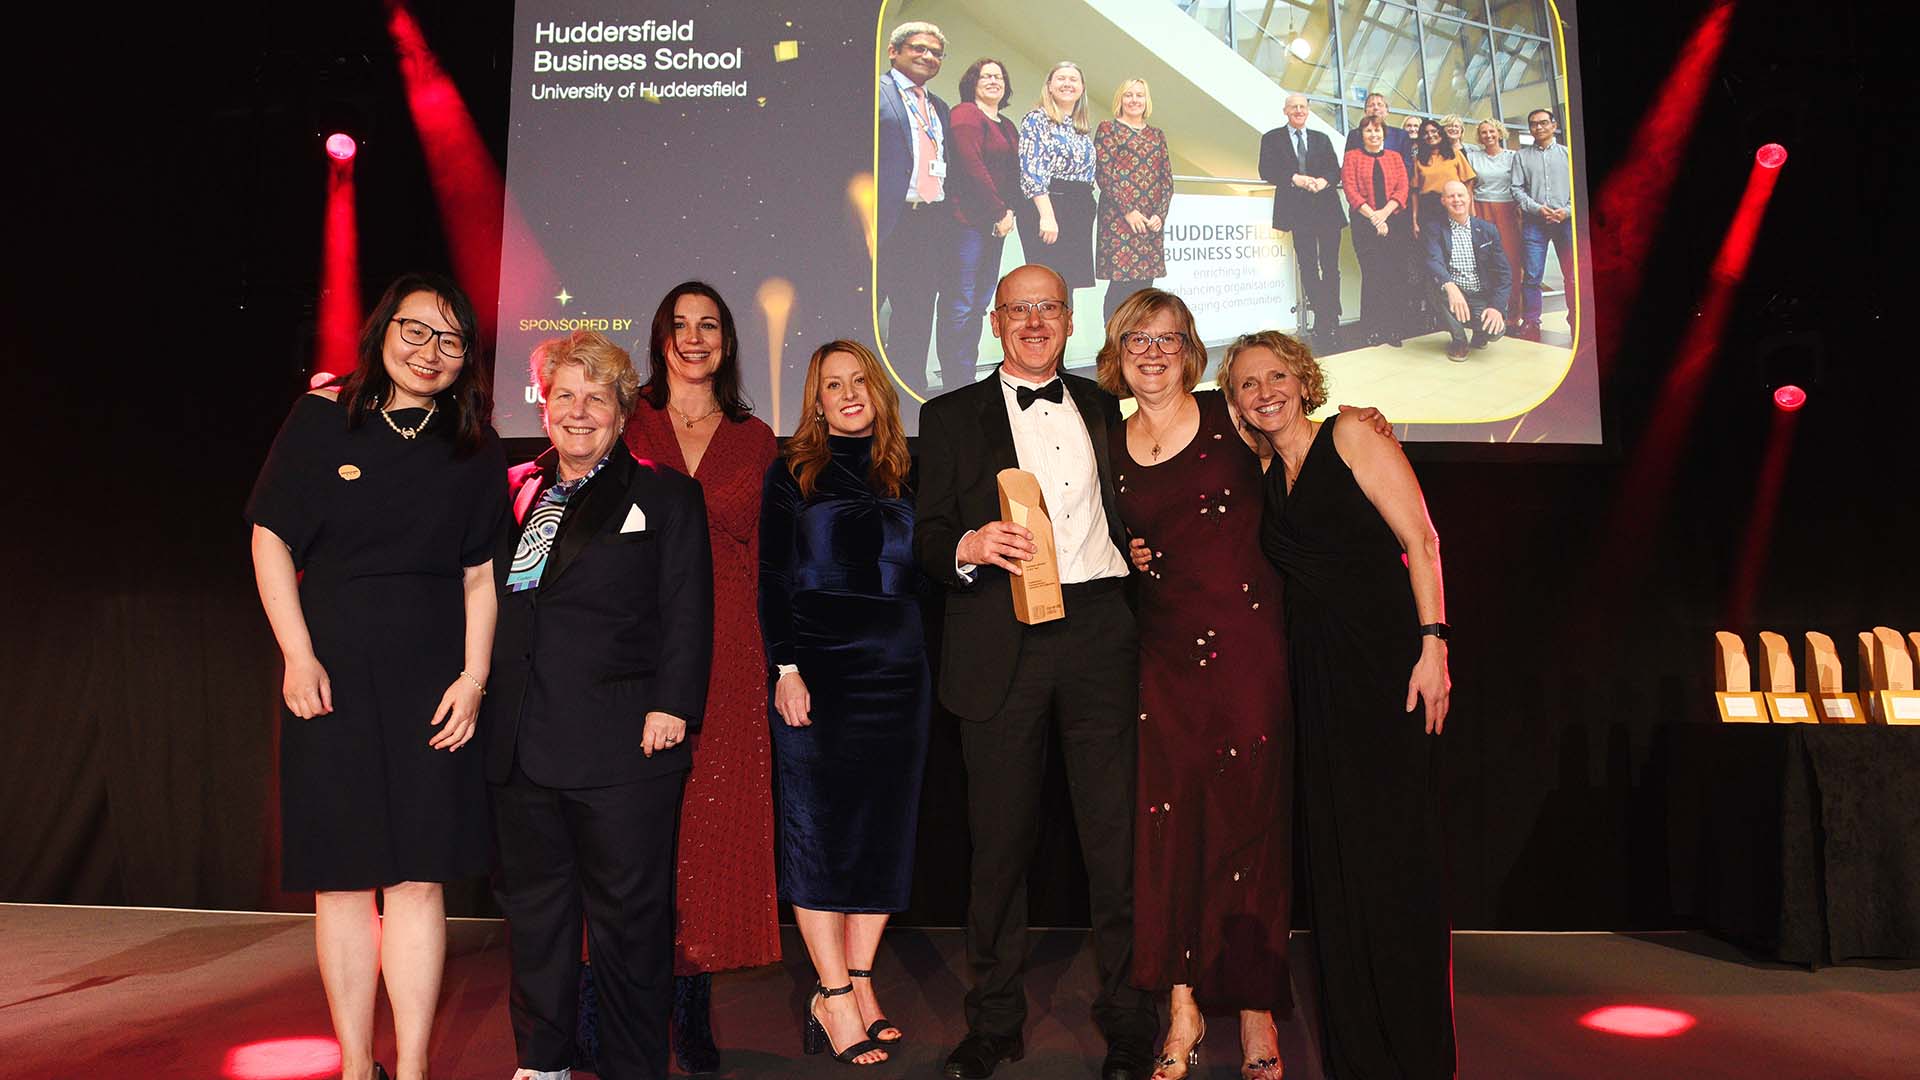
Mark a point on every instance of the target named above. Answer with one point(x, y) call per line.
point(979, 1054)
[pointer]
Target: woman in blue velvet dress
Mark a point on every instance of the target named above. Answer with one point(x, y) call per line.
point(839, 608)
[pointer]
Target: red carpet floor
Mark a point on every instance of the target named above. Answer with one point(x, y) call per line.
point(158, 994)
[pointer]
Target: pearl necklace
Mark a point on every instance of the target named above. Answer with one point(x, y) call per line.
point(414, 431)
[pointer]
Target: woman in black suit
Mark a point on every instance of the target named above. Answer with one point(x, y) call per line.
point(595, 687)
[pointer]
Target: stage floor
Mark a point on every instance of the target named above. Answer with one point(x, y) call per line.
point(159, 994)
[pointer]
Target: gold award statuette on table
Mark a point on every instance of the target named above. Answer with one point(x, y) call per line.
point(1837, 706)
point(1733, 682)
point(1776, 670)
point(1895, 699)
point(1036, 590)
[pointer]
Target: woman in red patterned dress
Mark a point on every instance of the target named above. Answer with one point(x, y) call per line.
point(691, 416)
point(1135, 177)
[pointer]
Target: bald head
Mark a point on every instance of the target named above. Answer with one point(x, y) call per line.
point(1457, 198)
point(1031, 340)
point(1296, 110)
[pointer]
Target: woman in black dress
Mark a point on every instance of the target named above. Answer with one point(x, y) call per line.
point(1343, 510)
point(373, 529)
point(838, 606)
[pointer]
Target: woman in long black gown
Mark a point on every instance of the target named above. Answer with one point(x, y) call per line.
point(1342, 509)
point(838, 604)
point(373, 528)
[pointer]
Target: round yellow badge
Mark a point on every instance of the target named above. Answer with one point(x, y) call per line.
point(349, 472)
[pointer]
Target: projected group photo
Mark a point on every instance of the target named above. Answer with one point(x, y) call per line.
point(1400, 189)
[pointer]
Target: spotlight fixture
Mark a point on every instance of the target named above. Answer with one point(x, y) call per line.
point(1301, 48)
point(341, 147)
point(1771, 156)
point(1789, 398)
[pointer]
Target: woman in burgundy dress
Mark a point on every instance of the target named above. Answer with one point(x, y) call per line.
point(983, 187)
point(1212, 854)
point(691, 416)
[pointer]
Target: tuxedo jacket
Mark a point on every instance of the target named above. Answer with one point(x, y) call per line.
point(894, 169)
point(1489, 260)
point(621, 625)
point(965, 440)
point(1293, 208)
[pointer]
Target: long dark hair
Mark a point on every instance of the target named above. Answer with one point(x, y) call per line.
point(1426, 150)
point(726, 378)
point(467, 404)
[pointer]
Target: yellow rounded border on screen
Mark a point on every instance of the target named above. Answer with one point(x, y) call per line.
point(873, 225)
point(1556, 36)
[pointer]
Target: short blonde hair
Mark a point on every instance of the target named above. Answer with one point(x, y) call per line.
point(1120, 93)
point(1291, 351)
point(1451, 120)
point(1109, 366)
point(605, 363)
point(1048, 106)
point(1499, 129)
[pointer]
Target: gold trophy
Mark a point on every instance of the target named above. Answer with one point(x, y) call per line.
point(1036, 589)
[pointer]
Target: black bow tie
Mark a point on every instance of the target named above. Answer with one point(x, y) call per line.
point(1054, 391)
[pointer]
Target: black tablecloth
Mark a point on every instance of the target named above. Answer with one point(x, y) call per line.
point(1799, 841)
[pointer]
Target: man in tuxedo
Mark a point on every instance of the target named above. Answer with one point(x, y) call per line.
point(1305, 174)
point(600, 662)
point(912, 222)
point(1468, 279)
point(1008, 682)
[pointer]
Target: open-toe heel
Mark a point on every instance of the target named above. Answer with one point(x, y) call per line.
point(816, 1038)
point(874, 1029)
point(1167, 1061)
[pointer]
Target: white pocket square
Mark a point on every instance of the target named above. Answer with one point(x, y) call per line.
point(636, 520)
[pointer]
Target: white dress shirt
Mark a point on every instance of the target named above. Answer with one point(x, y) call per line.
point(1052, 443)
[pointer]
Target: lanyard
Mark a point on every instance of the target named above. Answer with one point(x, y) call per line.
point(926, 122)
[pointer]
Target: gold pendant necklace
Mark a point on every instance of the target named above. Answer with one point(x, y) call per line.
point(1151, 434)
point(689, 421)
point(414, 431)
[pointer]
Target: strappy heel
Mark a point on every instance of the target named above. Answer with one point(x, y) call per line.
point(1167, 1061)
point(816, 1038)
point(874, 1029)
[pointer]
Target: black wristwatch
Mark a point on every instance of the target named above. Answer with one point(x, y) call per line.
point(1435, 629)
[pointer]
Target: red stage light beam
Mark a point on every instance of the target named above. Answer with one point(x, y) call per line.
point(475, 213)
point(1632, 201)
point(1649, 475)
point(1770, 156)
point(1757, 540)
point(337, 330)
point(341, 147)
point(1789, 398)
point(1639, 1021)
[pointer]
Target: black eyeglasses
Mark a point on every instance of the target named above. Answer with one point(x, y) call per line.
point(414, 332)
point(1139, 341)
point(1020, 309)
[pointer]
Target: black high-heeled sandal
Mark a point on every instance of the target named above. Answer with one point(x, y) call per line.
point(816, 1038)
point(874, 1029)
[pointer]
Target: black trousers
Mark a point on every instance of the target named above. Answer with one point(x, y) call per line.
point(609, 852)
point(1318, 251)
point(913, 263)
point(1080, 673)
